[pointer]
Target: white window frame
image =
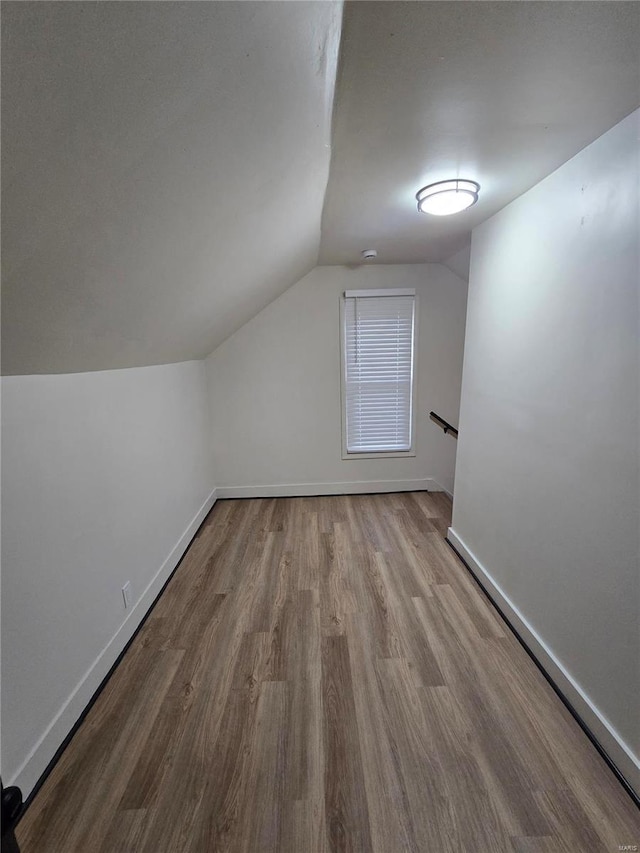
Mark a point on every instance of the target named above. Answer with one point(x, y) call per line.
point(381, 454)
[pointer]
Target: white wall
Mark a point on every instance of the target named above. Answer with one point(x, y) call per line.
point(547, 479)
point(279, 378)
point(459, 262)
point(105, 477)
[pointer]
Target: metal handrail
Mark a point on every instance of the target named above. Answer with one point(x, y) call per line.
point(443, 424)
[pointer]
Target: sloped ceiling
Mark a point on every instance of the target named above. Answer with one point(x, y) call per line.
point(165, 164)
point(164, 169)
point(502, 93)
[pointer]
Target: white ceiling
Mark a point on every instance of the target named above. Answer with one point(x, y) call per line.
point(164, 168)
point(502, 93)
point(165, 164)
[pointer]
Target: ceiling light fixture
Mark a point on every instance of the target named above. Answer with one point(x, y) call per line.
point(446, 197)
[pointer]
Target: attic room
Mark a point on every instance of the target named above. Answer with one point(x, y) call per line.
point(320, 426)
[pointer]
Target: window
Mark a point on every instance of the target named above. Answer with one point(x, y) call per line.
point(377, 355)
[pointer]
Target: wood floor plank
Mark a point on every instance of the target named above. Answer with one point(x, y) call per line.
point(568, 819)
point(347, 812)
point(322, 674)
point(306, 535)
point(261, 817)
point(413, 744)
point(476, 820)
point(125, 833)
point(377, 603)
point(218, 824)
point(496, 746)
point(153, 764)
point(174, 819)
point(545, 844)
point(391, 823)
point(304, 823)
point(419, 652)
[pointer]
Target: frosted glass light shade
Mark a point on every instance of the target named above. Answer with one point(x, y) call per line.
point(447, 197)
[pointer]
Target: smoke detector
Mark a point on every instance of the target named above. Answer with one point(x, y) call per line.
point(369, 255)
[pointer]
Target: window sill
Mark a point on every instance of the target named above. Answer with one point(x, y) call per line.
point(392, 454)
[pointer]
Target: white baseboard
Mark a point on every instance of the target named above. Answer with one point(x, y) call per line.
point(618, 751)
point(300, 490)
point(36, 762)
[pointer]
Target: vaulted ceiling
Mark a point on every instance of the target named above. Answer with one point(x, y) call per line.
point(502, 93)
point(165, 164)
point(164, 169)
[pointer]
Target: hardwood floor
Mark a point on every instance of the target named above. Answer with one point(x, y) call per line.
point(322, 674)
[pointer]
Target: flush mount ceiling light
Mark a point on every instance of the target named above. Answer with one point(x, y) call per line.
point(447, 197)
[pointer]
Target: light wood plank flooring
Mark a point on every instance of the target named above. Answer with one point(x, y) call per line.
point(322, 674)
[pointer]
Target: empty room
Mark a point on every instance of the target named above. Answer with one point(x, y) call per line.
point(320, 410)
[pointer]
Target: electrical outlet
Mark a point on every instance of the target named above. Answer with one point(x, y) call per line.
point(126, 594)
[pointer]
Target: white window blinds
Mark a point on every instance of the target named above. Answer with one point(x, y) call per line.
point(378, 366)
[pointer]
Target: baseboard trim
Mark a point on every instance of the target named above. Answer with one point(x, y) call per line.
point(38, 764)
point(605, 738)
point(304, 490)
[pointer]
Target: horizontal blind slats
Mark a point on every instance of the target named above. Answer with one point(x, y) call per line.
point(378, 339)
